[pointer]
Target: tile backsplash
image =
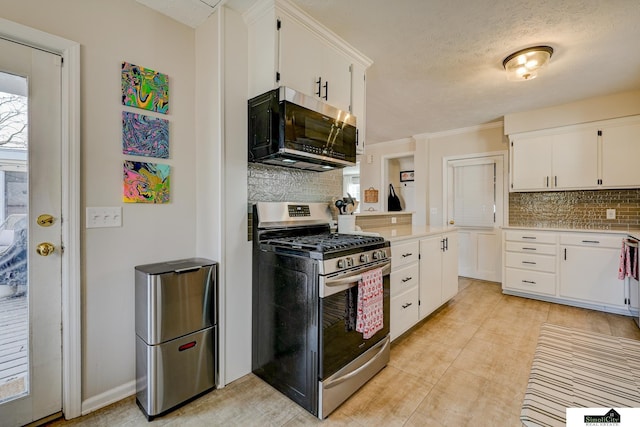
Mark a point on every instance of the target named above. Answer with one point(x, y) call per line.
point(267, 183)
point(575, 209)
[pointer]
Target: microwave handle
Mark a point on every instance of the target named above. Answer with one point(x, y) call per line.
point(357, 138)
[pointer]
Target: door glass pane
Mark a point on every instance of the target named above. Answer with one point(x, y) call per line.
point(14, 197)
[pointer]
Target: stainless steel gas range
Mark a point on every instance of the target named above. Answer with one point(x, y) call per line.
point(305, 280)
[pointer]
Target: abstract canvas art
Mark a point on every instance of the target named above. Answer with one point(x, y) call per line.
point(145, 88)
point(145, 135)
point(145, 182)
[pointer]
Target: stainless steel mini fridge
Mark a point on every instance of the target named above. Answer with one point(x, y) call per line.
point(176, 333)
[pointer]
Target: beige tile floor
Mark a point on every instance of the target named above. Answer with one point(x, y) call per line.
point(465, 365)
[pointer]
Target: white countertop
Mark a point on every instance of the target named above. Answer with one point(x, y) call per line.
point(384, 213)
point(633, 232)
point(395, 233)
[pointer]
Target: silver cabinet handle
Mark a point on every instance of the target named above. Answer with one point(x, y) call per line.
point(529, 237)
point(406, 279)
point(407, 305)
point(529, 249)
point(590, 241)
point(406, 255)
point(529, 281)
point(529, 262)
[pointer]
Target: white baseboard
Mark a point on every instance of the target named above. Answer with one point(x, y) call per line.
point(108, 397)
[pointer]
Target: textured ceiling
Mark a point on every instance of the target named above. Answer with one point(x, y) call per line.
point(437, 64)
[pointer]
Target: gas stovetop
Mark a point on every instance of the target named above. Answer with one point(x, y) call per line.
point(328, 242)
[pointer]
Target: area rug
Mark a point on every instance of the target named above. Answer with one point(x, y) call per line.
point(573, 368)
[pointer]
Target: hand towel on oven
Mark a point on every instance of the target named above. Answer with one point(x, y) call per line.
point(370, 316)
point(628, 266)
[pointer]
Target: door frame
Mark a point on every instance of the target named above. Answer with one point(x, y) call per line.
point(70, 163)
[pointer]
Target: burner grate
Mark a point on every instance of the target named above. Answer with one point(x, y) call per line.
point(326, 242)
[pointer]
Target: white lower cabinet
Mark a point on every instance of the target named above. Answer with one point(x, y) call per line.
point(424, 275)
point(405, 273)
point(438, 271)
point(404, 312)
point(572, 268)
point(589, 269)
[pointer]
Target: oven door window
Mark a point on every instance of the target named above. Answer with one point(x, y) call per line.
point(340, 343)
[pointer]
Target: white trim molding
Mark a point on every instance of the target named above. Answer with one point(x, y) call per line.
point(70, 162)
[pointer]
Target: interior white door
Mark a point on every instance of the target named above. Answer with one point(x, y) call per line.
point(475, 201)
point(33, 389)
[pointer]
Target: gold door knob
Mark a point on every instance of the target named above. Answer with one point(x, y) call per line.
point(45, 249)
point(451, 222)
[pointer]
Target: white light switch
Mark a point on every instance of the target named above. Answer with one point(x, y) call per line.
point(611, 214)
point(104, 217)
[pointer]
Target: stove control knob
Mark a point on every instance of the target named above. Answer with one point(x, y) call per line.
point(365, 257)
point(377, 255)
point(341, 263)
point(349, 262)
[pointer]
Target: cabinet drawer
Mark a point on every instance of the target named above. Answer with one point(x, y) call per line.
point(530, 281)
point(529, 236)
point(531, 262)
point(404, 253)
point(404, 278)
point(595, 240)
point(531, 248)
point(404, 312)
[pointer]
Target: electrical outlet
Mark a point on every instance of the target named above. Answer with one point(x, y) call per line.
point(394, 220)
point(104, 217)
point(611, 214)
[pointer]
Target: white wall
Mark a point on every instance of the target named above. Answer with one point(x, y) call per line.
point(583, 111)
point(371, 170)
point(109, 33)
point(237, 248)
point(480, 139)
point(221, 99)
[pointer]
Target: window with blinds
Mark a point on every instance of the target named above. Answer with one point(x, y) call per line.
point(474, 194)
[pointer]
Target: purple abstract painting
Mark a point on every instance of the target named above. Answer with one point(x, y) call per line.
point(145, 135)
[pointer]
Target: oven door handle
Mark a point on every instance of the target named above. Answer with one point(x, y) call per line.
point(355, 276)
point(383, 346)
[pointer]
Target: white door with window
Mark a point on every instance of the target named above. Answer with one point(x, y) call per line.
point(474, 189)
point(30, 234)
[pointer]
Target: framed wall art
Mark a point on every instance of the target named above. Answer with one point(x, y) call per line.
point(145, 135)
point(406, 176)
point(145, 88)
point(145, 182)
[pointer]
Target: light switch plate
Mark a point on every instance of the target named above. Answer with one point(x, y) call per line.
point(611, 214)
point(102, 217)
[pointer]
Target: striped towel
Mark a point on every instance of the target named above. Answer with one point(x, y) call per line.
point(370, 315)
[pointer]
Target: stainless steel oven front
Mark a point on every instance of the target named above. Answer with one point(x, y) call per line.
point(347, 359)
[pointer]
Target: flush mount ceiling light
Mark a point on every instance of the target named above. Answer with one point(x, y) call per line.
point(524, 64)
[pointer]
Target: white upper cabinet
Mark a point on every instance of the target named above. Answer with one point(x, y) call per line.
point(358, 102)
point(289, 48)
point(620, 153)
point(596, 155)
point(311, 66)
point(547, 161)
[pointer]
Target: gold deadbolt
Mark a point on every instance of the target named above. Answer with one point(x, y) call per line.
point(45, 220)
point(45, 249)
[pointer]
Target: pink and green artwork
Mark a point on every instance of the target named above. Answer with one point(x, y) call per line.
point(145, 135)
point(145, 88)
point(145, 182)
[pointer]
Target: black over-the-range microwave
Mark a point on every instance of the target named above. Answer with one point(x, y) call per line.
point(288, 128)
